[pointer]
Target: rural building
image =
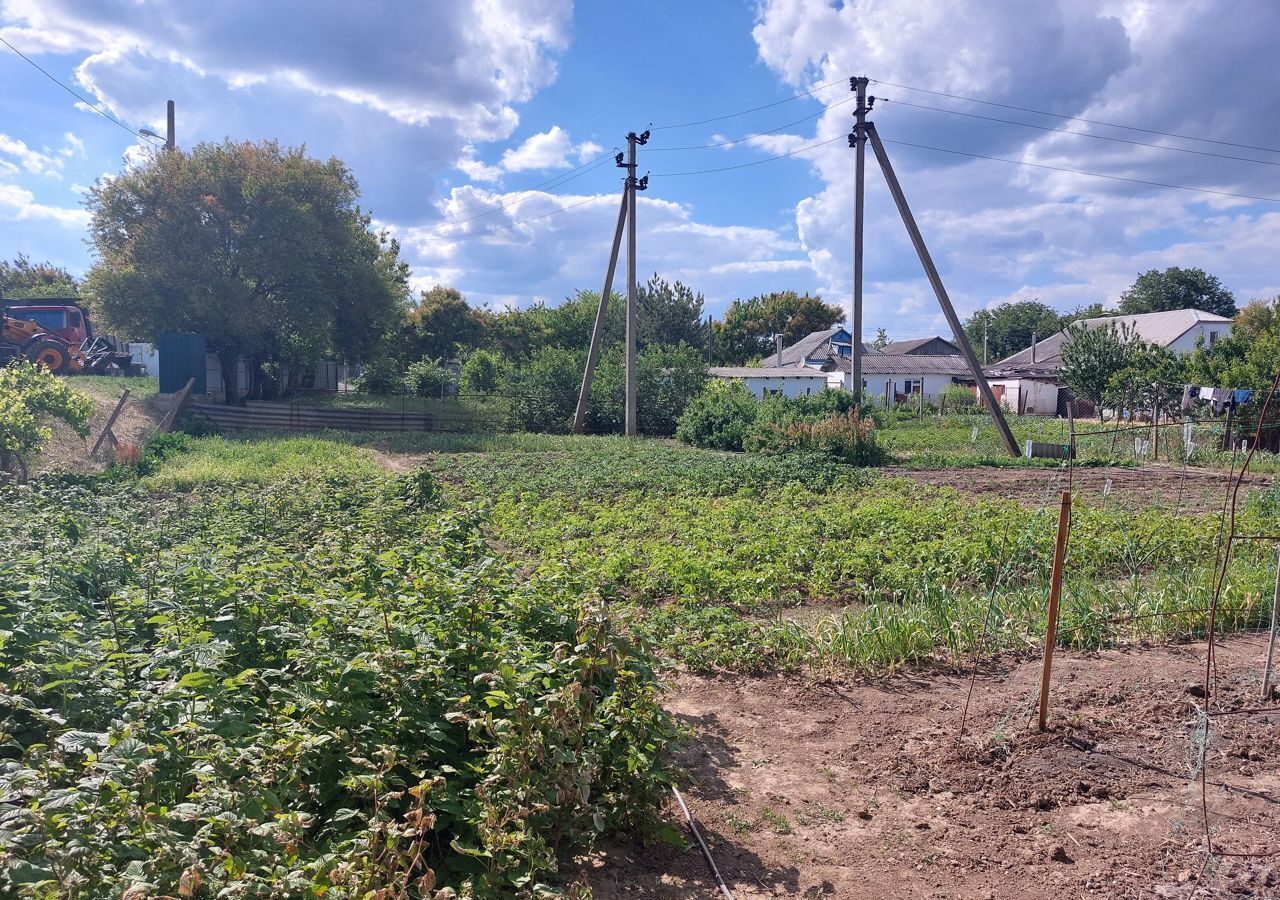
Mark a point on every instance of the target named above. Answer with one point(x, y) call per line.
point(930, 346)
point(815, 348)
point(786, 382)
point(1029, 382)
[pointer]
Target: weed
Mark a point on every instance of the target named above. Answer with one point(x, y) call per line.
point(776, 821)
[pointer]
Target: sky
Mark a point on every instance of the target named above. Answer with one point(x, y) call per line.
point(482, 134)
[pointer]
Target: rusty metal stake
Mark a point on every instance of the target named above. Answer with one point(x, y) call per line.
point(1055, 594)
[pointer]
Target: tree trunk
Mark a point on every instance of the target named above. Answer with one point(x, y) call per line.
point(230, 384)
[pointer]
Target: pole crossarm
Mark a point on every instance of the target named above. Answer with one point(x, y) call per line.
point(939, 289)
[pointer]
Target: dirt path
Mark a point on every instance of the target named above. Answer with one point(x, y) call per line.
point(1198, 490)
point(848, 790)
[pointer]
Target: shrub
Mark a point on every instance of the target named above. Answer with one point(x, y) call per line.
point(547, 389)
point(848, 438)
point(382, 376)
point(427, 378)
point(30, 398)
point(958, 398)
point(719, 418)
point(482, 373)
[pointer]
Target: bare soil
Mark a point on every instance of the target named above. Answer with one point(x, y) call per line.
point(68, 452)
point(1190, 490)
point(827, 788)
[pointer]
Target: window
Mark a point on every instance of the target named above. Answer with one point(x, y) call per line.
point(51, 319)
point(771, 392)
point(844, 350)
point(912, 386)
point(1213, 336)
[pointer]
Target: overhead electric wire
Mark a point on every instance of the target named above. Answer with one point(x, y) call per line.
point(110, 118)
point(1041, 112)
point(753, 109)
point(756, 135)
point(757, 162)
point(1018, 162)
point(1099, 137)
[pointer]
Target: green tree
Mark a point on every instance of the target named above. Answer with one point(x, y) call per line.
point(30, 399)
point(260, 249)
point(1091, 357)
point(482, 373)
point(746, 333)
point(882, 339)
point(1177, 288)
point(1009, 327)
point(441, 325)
point(669, 314)
point(23, 279)
point(427, 378)
point(1244, 359)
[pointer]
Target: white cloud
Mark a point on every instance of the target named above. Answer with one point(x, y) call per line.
point(551, 149)
point(20, 204)
point(33, 161)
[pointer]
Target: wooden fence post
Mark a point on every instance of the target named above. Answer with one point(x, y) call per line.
point(1055, 595)
point(111, 420)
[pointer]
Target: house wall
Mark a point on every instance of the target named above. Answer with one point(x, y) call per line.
point(789, 386)
point(874, 385)
point(1025, 396)
point(1187, 342)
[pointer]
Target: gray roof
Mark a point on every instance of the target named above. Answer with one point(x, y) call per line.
point(888, 364)
point(900, 348)
point(809, 346)
point(1162, 328)
point(774, 372)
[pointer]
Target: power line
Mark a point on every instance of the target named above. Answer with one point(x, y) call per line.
point(751, 136)
point(1099, 137)
point(753, 109)
point(73, 93)
point(1041, 112)
point(1017, 162)
point(758, 162)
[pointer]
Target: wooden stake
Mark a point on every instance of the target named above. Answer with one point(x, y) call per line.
point(940, 290)
point(115, 414)
point(1271, 643)
point(597, 332)
point(1055, 594)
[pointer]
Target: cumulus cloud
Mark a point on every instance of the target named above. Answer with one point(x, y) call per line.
point(19, 204)
point(552, 149)
point(1000, 231)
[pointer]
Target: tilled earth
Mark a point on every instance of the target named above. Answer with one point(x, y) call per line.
point(826, 788)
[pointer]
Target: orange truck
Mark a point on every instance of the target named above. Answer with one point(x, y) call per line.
point(56, 333)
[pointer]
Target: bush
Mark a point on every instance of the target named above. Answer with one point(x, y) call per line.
point(547, 390)
point(720, 417)
point(382, 376)
point(31, 398)
point(427, 378)
point(848, 438)
point(959, 399)
point(482, 373)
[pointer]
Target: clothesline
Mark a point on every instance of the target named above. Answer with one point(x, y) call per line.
point(1218, 398)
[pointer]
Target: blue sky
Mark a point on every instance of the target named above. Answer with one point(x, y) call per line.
point(448, 113)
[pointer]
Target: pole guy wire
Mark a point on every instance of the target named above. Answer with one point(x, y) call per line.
point(744, 112)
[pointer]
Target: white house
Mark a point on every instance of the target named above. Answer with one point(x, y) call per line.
point(787, 382)
point(815, 348)
point(1028, 382)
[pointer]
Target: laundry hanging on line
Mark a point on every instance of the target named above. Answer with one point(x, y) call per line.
point(1218, 398)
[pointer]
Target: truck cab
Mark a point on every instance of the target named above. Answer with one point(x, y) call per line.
point(59, 316)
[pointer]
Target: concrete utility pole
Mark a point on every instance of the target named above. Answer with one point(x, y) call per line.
point(633, 185)
point(602, 312)
point(171, 136)
point(931, 272)
point(859, 142)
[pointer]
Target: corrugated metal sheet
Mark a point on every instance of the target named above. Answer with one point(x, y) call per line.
point(181, 357)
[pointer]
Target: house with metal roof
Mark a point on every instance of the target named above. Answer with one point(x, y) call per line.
point(815, 348)
point(790, 381)
point(1028, 382)
point(929, 346)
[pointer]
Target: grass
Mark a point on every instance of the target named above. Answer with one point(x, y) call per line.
point(776, 821)
point(139, 388)
point(253, 459)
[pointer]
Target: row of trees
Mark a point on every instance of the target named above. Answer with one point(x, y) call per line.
point(1011, 327)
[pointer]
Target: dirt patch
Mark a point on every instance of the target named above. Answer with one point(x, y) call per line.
point(400, 463)
point(1192, 490)
point(811, 788)
point(67, 452)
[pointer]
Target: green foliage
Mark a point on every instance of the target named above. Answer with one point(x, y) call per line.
point(323, 686)
point(1148, 377)
point(1091, 357)
point(30, 398)
point(440, 325)
point(1244, 359)
point(669, 315)
point(1177, 288)
point(848, 437)
point(383, 375)
point(546, 389)
point(957, 398)
point(482, 373)
point(260, 249)
point(427, 378)
point(24, 279)
point(1009, 327)
point(746, 332)
point(719, 418)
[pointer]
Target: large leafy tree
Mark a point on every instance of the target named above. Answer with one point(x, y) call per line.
point(260, 249)
point(1010, 327)
point(746, 333)
point(1247, 358)
point(442, 324)
point(1092, 357)
point(1177, 288)
point(23, 278)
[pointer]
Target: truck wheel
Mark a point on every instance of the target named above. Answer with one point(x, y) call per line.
point(50, 354)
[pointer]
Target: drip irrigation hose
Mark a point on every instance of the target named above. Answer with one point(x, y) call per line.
point(693, 826)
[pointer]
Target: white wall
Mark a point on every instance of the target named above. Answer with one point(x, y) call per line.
point(934, 385)
point(1187, 342)
point(1028, 397)
point(791, 386)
